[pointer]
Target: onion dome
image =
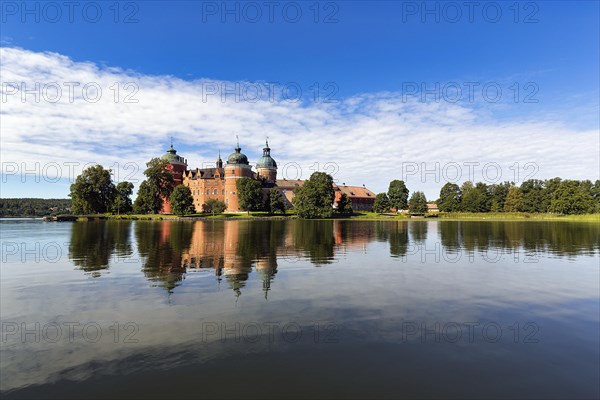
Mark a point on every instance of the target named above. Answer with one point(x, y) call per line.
point(266, 161)
point(171, 156)
point(238, 157)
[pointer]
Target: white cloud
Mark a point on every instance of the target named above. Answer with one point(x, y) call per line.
point(368, 136)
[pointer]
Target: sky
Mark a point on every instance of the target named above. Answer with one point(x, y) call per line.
point(427, 92)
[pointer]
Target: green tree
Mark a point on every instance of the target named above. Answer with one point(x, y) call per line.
point(160, 177)
point(382, 203)
point(344, 205)
point(475, 198)
point(498, 195)
point(595, 193)
point(249, 192)
point(450, 198)
point(214, 206)
point(550, 188)
point(417, 203)
point(571, 198)
point(93, 191)
point(182, 201)
point(148, 199)
point(533, 196)
point(276, 201)
point(122, 202)
point(398, 195)
point(158, 185)
point(514, 200)
point(315, 198)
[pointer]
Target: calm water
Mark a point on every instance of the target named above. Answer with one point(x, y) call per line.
point(271, 309)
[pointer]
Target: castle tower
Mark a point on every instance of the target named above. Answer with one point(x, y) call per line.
point(266, 166)
point(219, 161)
point(177, 165)
point(237, 167)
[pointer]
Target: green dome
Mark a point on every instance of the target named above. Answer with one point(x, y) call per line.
point(266, 161)
point(238, 157)
point(171, 156)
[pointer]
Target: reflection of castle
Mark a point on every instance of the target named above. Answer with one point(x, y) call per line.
point(226, 248)
point(219, 182)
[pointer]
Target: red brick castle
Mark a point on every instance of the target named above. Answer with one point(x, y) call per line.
point(219, 182)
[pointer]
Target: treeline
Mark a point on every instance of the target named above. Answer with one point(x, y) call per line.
point(555, 196)
point(34, 207)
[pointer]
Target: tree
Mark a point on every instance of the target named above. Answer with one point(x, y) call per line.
point(315, 198)
point(498, 195)
point(398, 195)
point(475, 198)
point(276, 201)
point(534, 194)
point(158, 185)
point(571, 198)
point(122, 202)
point(214, 206)
point(182, 201)
point(450, 198)
point(550, 188)
point(417, 203)
point(382, 203)
point(595, 193)
point(249, 192)
point(148, 199)
point(514, 200)
point(344, 206)
point(160, 177)
point(93, 191)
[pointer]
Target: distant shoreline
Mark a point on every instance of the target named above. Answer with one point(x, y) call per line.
point(357, 217)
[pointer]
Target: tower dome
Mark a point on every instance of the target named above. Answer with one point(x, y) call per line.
point(237, 157)
point(266, 161)
point(172, 157)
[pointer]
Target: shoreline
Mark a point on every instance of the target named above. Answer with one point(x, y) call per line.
point(358, 217)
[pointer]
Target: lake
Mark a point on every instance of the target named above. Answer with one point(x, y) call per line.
point(300, 309)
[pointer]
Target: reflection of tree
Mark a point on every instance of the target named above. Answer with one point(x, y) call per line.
point(161, 245)
point(449, 234)
point(398, 239)
point(315, 238)
point(418, 230)
point(475, 235)
point(93, 243)
point(562, 238)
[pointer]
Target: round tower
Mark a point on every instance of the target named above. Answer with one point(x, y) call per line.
point(177, 165)
point(237, 167)
point(266, 166)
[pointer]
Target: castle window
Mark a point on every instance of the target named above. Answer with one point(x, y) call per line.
point(208, 191)
point(223, 192)
point(215, 191)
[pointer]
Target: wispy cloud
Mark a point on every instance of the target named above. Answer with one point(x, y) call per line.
point(369, 138)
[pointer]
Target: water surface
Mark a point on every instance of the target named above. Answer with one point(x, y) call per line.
point(320, 309)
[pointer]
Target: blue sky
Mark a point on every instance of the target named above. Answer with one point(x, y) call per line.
point(360, 54)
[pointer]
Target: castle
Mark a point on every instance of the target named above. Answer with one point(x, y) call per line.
point(219, 182)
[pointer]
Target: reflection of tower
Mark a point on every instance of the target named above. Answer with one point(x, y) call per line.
point(266, 166)
point(237, 167)
point(206, 248)
point(177, 165)
point(235, 269)
point(267, 268)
